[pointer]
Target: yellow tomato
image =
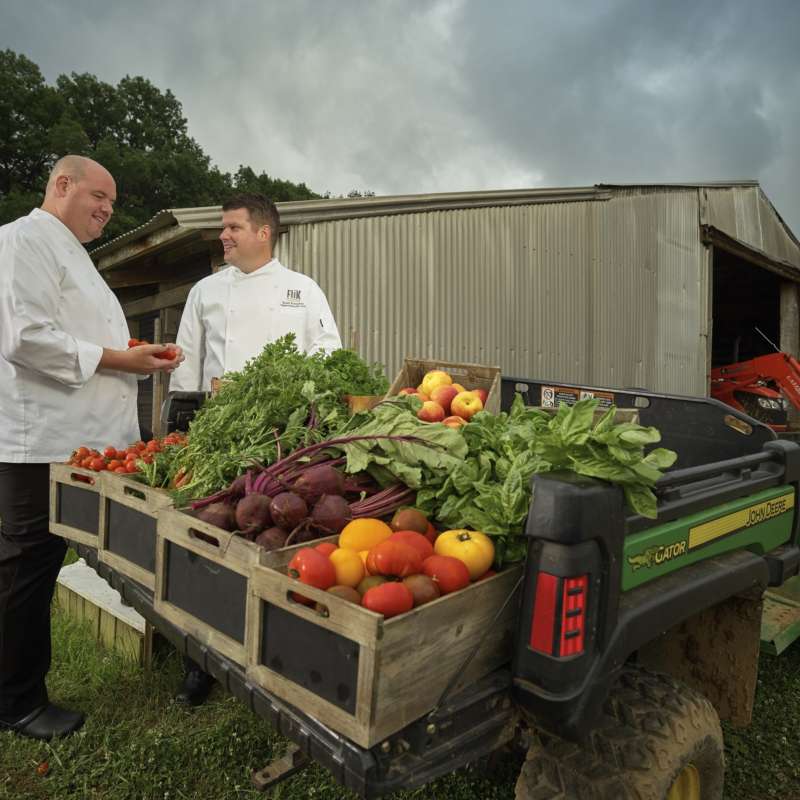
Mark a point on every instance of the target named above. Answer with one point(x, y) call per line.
point(363, 533)
point(349, 567)
point(474, 549)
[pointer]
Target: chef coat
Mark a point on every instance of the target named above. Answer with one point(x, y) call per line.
point(56, 316)
point(231, 315)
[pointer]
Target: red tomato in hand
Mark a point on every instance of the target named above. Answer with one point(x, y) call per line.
point(450, 573)
point(394, 557)
point(311, 567)
point(389, 599)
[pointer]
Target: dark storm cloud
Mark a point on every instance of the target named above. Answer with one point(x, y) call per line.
point(440, 96)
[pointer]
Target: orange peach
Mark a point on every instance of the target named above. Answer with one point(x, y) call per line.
point(434, 378)
point(466, 405)
point(454, 421)
point(458, 387)
point(443, 395)
point(482, 393)
point(431, 412)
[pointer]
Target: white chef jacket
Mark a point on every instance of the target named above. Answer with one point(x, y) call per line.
point(56, 316)
point(231, 315)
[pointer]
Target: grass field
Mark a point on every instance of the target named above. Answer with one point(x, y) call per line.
point(138, 745)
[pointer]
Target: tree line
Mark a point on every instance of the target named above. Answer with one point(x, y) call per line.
point(137, 131)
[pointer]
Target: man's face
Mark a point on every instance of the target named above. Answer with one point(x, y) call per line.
point(86, 204)
point(245, 245)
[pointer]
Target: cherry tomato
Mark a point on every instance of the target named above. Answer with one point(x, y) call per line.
point(82, 452)
point(86, 463)
point(450, 573)
point(110, 452)
point(120, 470)
point(311, 567)
point(390, 599)
point(114, 464)
point(131, 455)
point(130, 466)
point(394, 557)
point(98, 464)
point(168, 354)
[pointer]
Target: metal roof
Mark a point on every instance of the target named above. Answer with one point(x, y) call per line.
point(185, 223)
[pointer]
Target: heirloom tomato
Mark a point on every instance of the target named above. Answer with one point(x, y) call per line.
point(475, 549)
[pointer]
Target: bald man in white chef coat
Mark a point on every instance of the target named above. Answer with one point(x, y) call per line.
point(231, 315)
point(67, 379)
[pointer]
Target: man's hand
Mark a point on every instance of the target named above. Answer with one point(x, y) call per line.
point(143, 359)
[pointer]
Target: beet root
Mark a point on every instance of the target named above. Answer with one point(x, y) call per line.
point(219, 514)
point(288, 510)
point(253, 514)
point(271, 538)
point(317, 481)
point(331, 513)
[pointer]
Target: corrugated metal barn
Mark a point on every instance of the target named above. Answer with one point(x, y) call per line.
point(610, 285)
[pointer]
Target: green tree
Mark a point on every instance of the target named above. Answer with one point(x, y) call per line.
point(134, 129)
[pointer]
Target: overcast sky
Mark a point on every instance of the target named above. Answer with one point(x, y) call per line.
point(404, 96)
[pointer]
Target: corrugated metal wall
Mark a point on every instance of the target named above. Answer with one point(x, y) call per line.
point(608, 292)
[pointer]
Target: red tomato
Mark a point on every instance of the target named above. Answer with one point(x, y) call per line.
point(450, 573)
point(152, 446)
point(131, 455)
point(133, 342)
point(311, 567)
point(114, 464)
point(98, 464)
point(326, 548)
point(130, 466)
point(110, 452)
point(139, 446)
point(390, 599)
point(431, 534)
point(86, 463)
point(119, 470)
point(168, 354)
point(393, 557)
point(416, 540)
point(82, 452)
point(147, 458)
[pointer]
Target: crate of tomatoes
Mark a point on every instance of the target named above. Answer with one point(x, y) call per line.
point(367, 633)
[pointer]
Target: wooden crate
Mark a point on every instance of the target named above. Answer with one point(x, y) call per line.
point(364, 676)
point(470, 376)
point(128, 516)
point(202, 583)
point(75, 503)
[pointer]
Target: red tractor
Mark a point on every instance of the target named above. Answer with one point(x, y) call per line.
point(763, 387)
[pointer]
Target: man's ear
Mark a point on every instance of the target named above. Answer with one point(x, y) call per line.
point(264, 233)
point(62, 183)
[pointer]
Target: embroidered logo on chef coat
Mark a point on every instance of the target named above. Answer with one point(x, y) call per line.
point(293, 299)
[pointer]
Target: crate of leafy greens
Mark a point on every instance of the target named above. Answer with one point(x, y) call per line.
point(281, 400)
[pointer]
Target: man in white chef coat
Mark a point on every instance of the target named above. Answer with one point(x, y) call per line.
point(67, 379)
point(231, 315)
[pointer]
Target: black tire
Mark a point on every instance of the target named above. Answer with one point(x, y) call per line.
point(651, 729)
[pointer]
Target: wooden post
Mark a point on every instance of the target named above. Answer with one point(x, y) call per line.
point(158, 386)
point(789, 340)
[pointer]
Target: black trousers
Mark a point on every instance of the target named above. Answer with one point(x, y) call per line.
point(30, 558)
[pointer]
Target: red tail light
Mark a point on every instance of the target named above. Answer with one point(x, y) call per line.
point(573, 615)
point(544, 613)
point(559, 615)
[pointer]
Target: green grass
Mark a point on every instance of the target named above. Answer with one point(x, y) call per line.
point(137, 744)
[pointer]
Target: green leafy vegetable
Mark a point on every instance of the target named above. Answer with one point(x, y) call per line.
point(281, 400)
point(490, 490)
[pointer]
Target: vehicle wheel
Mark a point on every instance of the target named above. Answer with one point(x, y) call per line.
point(657, 740)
